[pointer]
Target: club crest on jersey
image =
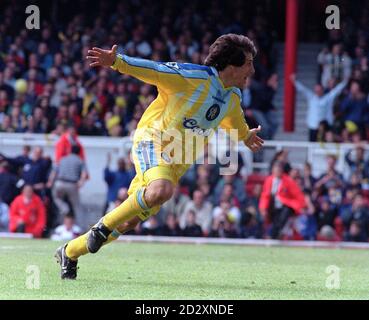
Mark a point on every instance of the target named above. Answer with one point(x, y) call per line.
point(213, 112)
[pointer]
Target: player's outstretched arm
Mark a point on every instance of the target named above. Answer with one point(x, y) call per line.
point(102, 58)
point(158, 74)
point(253, 141)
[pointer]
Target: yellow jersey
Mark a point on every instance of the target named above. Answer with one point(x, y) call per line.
point(190, 96)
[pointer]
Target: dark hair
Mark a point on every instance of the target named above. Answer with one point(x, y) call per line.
point(229, 49)
point(76, 149)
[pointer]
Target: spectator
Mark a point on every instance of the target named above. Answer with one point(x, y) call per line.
point(307, 219)
point(324, 133)
point(232, 213)
point(35, 171)
point(308, 181)
point(67, 231)
point(223, 227)
point(355, 108)
point(89, 126)
point(238, 188)
point(69, 176)
point(254, 195)
point(356, 233)
point(171, 227)
point(192, 229)
point(327, 233)
point(228, 195)
point(176, 205)
point(121, 197)
point(296, 176)
point(27, 213)
point(356, 161)
point(334, 63)
point(251, 225)
point(4, 217)
point(326, 214)
point(280, 199)
point(345, 208)
point(319, 105)
point(357, 220)
point(281, 156)
point(151, 227)
point(18, 162)
point(331, 178)
point(115, 180)
point(8, 183)
point(202, 209)
point(64, 145)
point(355, 182)
point(262, 105)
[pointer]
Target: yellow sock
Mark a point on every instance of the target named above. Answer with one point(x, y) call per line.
point(127, 210)
point(77, 247)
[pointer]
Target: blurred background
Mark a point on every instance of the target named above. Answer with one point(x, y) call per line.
point(65, 127)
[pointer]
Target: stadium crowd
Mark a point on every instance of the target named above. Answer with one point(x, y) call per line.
point(286, 204)
point(46, 86)
point(45, 80)
point(338, 105)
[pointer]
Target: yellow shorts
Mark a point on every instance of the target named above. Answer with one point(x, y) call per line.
point(152, 164)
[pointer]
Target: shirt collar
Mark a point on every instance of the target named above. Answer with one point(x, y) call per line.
point(215, 71)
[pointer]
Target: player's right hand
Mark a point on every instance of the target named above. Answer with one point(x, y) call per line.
point(102, 58)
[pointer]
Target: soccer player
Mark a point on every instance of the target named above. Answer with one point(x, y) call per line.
point(195, 98)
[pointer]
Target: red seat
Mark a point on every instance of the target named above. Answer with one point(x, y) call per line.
point(252, 180)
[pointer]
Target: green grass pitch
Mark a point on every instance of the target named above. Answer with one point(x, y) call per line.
point(180, 271)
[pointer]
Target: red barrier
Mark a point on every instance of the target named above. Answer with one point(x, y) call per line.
point(290, 64)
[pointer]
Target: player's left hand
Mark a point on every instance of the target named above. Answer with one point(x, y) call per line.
point(253, 142)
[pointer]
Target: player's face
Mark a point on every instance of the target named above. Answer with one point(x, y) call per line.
point(242, 73)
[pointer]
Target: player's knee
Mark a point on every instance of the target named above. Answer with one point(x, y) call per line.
point(158, 192)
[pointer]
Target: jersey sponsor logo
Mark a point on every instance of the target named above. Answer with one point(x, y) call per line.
point(193, 125)
point(213, 112)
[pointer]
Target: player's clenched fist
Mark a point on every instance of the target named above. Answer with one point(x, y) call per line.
point(102, 58)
